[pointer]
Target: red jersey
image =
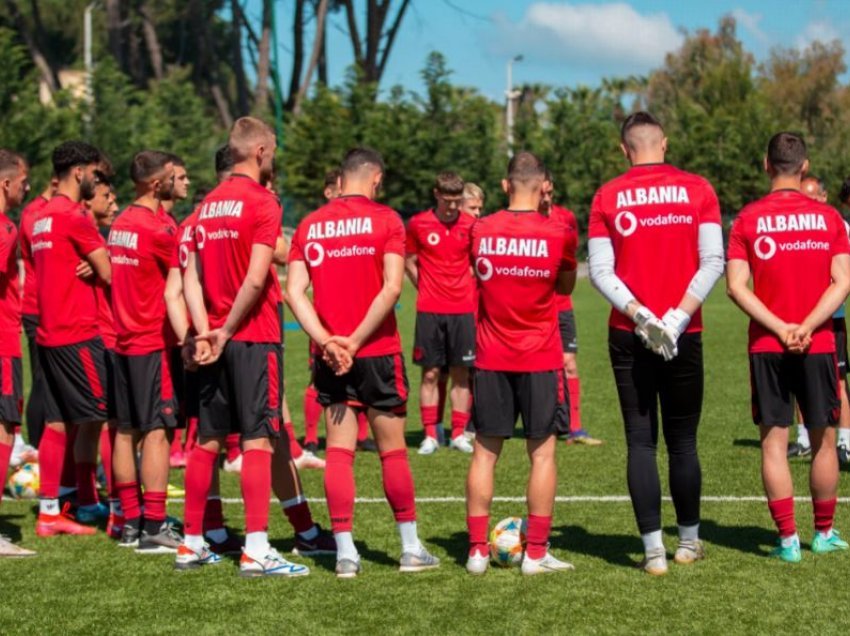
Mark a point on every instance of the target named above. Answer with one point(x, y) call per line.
point(167, 217)
point(442, 252)
point(235, 216)
point(518, 256)
point(564, 302)
point(29, 304)
point(343, 245)
point(10, 291)
point(62, 236)
point(105, 319)
point(652, 215)
point(185, 243)
point(789, 240)
point(141, 244)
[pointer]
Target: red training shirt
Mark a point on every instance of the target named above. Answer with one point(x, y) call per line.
point(10, 292)
point(564, 302)
point(343, 244)
point(652, 215)
point(442, 253)
point(518, 255)
point(29, 304)
point(789, 240)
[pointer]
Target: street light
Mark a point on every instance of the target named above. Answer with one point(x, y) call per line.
point(87, 61)
point(511, 95)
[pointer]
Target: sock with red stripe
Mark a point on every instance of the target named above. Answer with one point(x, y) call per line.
point(295, 449)
point(191, 434)
point(429, 420)
point(537, 536)
point(128, 495)
point(824, 514)
point(340, 488)
point(231, 443)
point(478, 528)
point(398, 484)
point(574, 391)
point(312, 415)
point(256, 488)
point(86, 483)
point(5, 456)
point(362, 425)
point(68, 466)
point(154, 510)
point(297, 511)
point(51, 456)
point(459, 421)
point(199, 476)
point(782, 511)
point(107, 440)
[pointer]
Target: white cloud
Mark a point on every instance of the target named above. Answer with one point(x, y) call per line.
point(612, 37)
point(752, 23)
point(817, 30)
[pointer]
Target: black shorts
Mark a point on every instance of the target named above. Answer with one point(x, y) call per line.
point(178, 381)
point(241, 392)
point(111, 391)
point(75, 387)
point(539, 397)
point(11, 390)
point(777, 378)
point(444, 340)
point(378, 382)
point(191, 404)
point(146, 400)
point(569, 335)
point(839, 328)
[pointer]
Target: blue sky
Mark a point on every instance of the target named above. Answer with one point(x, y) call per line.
point(565, 43)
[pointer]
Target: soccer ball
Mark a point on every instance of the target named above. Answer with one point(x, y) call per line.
point(507, 542)
point(24, 482)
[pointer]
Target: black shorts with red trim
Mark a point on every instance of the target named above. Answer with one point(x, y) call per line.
point(839, 328)
point(75, 387)
point(444, 340)
point(378, 382)
point(146, 400)
point(567, 327)
point(539, 398)
point(11, 390)
point(778, 378)
point(241, 392)
point(111, 392)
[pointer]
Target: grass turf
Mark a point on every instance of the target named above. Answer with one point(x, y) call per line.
point(88, 585)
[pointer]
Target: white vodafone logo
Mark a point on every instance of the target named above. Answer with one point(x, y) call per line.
point(183, 255)
point(484, 268)
point(200, 236)
point(314, 253)
point(433, 238)
point(764, 247)
point(626, 223)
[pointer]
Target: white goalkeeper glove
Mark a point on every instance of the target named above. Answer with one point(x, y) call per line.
point(650, 330)
point(674, 322)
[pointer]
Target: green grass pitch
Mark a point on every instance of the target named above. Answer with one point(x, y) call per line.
point(87, 585)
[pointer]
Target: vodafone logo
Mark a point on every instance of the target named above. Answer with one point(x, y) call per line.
point(200, 236)
point(626, 223)
point(314, 253)
point(764, 247)
point(433, 238)
point(183, 256)
point(483, 268)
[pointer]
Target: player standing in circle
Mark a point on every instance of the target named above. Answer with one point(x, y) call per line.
point(69, 343)
point(655, 252)
point(14, 186)
point(797, 253)
point(232, 294)
point(437, 264)
point(841, 349)
point(521, 258)
point(352, 251)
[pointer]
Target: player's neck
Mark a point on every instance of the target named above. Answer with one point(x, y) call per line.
point(786, 182)
point(647, 159)
point(168, 206)
point(246, 169)
point(70, 189)
point(447, 217)
point(148, 200)
point(4, 205)
point(357, 189)
point(524, 201)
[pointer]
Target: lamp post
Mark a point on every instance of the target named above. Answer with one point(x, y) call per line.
point(88, 63)
point(511, 95)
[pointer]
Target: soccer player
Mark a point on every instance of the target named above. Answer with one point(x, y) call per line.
point(473, 200)
point(797, 253)
point(655, 252)
point(840, 329)
point(232, 294)
point(352, 251)
point(14, 185)
point(141, 244)
point(70, 347)
point(567, 327)
point(521, 257)
point(437, 264)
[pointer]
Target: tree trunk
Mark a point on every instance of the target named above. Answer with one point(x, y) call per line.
point(114, 27)
point(48, 73)
point(261, 95)
point(297, 53)
point(391, 35)
point(238, 66)
point(151, 39)
point(318, 42)
point(204, 67)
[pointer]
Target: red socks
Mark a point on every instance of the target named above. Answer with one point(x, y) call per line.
point(459, 421)
point(213, 514)
point(339, 487)
point(256, 489)
point(312, 415)
point(5, 456)
point(154, 506)
point(782, 511)
point(429, 420)
point(51, 457)
point(477, 528)
point(398, 484)
point(191, 434)
point(362, 426)
point(177, 442)
point(537, 536)
point(574, 390)
point(107, 440)
point(199, 476)
point(295, 449)
point(231, 442)
point(128, 494)
point(86, 473)
point(299, 516)
point(824, 513)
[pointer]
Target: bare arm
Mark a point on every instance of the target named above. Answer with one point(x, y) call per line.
point(833, 297)
point(281, 251)
point(193, 294)
point(411, 268)
point(99, 260)
point(175, 304)
point(252, 287)
point(297, 284)
point(737, 287)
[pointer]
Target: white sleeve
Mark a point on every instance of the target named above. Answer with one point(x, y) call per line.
point(601, 267)
point(710, 261)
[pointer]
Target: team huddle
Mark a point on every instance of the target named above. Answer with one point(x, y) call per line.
point(152, 340)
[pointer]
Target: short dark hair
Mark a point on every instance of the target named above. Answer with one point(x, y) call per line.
point(177, 160)
point(332, 176)
point(844, 193)
point(223, 159)
point(147, 164)
point(70, 154)
point(450, 183)
point(357, 158)
point(526, 166)
point(640, 118)
point(104, 177)
point(10, 162)
point(786, 153)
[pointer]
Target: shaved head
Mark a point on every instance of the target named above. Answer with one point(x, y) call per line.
point(246, 135)
point(641, 132)
point(526, 170)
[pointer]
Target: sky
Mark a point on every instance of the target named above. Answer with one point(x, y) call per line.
point(565, 43)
